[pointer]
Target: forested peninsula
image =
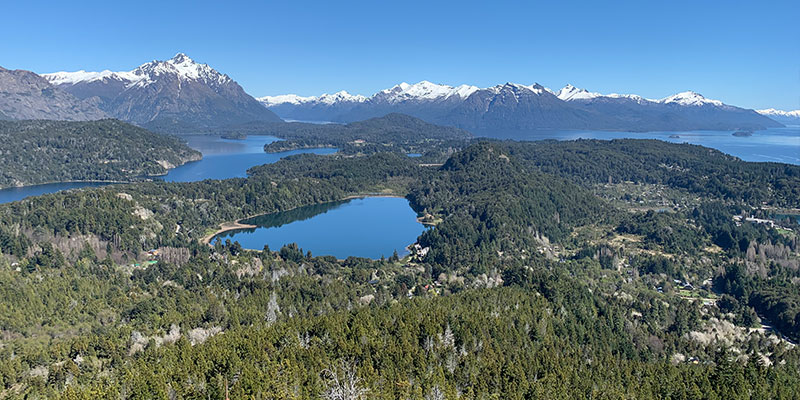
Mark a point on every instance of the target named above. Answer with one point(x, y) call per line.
point(41, 151)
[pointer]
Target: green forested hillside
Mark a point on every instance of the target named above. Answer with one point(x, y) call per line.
point(536, 282)
point(33, 152)
point(694, 168)
point(390, 133)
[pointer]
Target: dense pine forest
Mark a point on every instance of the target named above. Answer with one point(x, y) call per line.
point(34, 152)
point(585, 269)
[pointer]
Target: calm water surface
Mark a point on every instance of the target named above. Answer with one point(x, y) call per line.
point(14, 194)
point(775, 144)
point(366, 227)
point(222, 158)
point(228, 158)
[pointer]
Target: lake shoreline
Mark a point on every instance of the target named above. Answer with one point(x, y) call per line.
point(226, 227)
point(134, 179)
point(110, 182)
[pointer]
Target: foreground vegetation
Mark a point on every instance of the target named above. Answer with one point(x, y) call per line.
point(540, 280)
point(34, 152)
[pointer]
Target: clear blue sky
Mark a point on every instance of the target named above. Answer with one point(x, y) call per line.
point(744, 53)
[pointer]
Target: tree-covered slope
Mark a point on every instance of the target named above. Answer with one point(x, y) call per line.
point(389, 133)
point(532, 284)
point(40, 151)
point(694, 168)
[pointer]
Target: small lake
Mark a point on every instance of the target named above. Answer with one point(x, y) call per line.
point(368, 227)
point(222, 159)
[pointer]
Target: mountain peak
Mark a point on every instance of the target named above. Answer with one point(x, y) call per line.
point(181, 58)
point(690, 98)
point(570, 92)
point(177, 94)
point(424, 90)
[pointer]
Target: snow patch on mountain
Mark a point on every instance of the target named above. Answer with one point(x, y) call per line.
point(338, 97)
point(424, 90)
point(294, 99)
point(341, 97)
point(71, 78)
point(771, 112)
point(427, 91)
point(570, 92)
point(690, 98)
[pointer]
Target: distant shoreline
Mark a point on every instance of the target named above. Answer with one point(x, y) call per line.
point(110, 182)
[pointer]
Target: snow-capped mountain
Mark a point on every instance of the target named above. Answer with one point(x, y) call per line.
point(26, 95)
point(690, 98)
point(682, 111)
point(570, 92)
point(176, 95)
point(338, 97)
point(423, 91)
point(514, 106)
point(786, 117)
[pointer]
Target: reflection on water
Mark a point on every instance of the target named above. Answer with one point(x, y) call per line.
point(298, 214)
point(366, 227)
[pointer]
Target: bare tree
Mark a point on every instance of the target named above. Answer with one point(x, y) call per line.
point(272, 309)
point(435, 394)
point(342, 383)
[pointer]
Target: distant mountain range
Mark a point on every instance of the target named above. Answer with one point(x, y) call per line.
point(25, 95)
point(177, 95)
point(786, 117)
point(180, 95)
point(523, 107)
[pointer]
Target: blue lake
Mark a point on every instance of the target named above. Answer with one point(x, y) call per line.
point(225, 158)
point(222, 159)
point(338, 229)
point(229, 158)
point(773, 145)
point(19, 193)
